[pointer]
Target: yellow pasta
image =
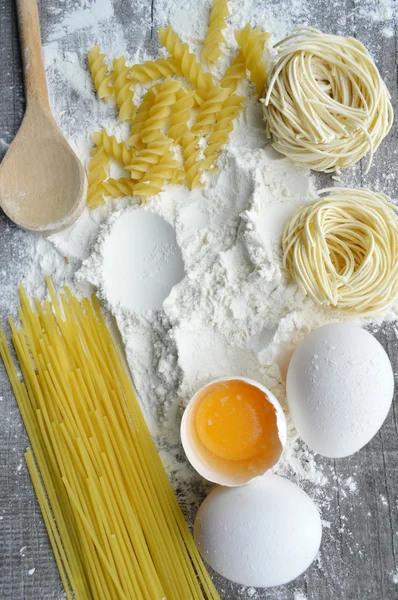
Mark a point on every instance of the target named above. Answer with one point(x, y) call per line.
point(223, 127)
point(342, 250)
point(160, 110)
point(252, 42)
point(326, 104)
point(100, 73)
point(123, 93)
point(209, 110)
point(141, 117)
point(113, 519)
point(97, 174)
point(193, 166)
point(153, 182)
point(119, 187)
point(150, 156)
point(214, 38)
point(181, 114)
point(234, 73)
point(154, 69)
point(190, 67)
point(117, 150)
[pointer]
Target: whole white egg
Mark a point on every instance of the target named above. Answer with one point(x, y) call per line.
point(339, 389)
point(263, 534)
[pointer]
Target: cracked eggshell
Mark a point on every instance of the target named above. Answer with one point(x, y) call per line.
point(339, 389)
point(217, 470)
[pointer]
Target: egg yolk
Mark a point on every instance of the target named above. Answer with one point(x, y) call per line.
point(235, 421)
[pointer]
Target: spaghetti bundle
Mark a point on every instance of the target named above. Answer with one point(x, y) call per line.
point(326, 105)
point(113, 520)
point(342, 250)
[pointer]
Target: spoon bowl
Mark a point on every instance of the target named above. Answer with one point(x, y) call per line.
point(43, 185)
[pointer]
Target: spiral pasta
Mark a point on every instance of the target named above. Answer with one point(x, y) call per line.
point(326, 105)
point(160, 110)
point(166, 170)
point(342, 250)
point(97, 174)
point(252, 42)
point(117, 150)
point(119, 187)
point(209, 110)
point(100, 73)
point(141, 117)
point(181, 114)
point(149, 157)
point(190, 67)
point(193, 166)
point(154, 69)
point(234, 73)
point(223, 127)
point(123, 93)
point(214, 38)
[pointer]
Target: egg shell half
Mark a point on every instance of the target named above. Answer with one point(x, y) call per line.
point(264, 534)
point(339, 389)
point(215, 469)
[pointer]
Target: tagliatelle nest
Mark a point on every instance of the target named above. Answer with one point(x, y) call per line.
point(342, 250)
point(326, 105)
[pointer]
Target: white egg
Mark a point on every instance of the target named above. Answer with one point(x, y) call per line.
point(339, 388)
point(262, 534)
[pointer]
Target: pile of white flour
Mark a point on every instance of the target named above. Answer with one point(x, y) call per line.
point(234, 312)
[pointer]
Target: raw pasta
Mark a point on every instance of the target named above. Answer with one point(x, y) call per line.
point(150, 156)
point(190, 67)
point(192, 166)
point(232, 106)
point(117, 150)
point(214, 38)
point(97, 174)
point(252, 42)
point(342, 250)
point(112, 517)
point(160, 110)
point(181, 114)
point(209, 110)
point(234, 73)
point(326, 105)
point(123, 93)
point(154, 69)
point(100, 73)
point(117, 188)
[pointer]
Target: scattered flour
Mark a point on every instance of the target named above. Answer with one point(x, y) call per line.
point(233, 313)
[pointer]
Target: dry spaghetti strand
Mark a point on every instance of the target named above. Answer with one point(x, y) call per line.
point(114, 522)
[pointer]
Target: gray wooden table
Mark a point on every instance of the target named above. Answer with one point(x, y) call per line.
point(359, 556)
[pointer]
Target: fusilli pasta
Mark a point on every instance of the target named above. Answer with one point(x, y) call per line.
point(123, 92)
point(214, 38)
point(209, 110)
point(117, 150)
point(100, 73)
point(190, 67)
point(223, 127)
point(149, 157)
point(193, 166)
point(178, 124)
point(160, 110)
point(154, 69)
point(234, 73)
point(252, 42)
point(97, 174)
point(119, 187)
point(141, 117)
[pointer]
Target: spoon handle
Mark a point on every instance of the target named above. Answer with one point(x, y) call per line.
point(32, 58)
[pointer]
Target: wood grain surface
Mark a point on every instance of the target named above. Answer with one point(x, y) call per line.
point(359, 555)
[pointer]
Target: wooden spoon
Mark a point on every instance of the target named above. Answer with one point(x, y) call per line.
point(43, 185)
